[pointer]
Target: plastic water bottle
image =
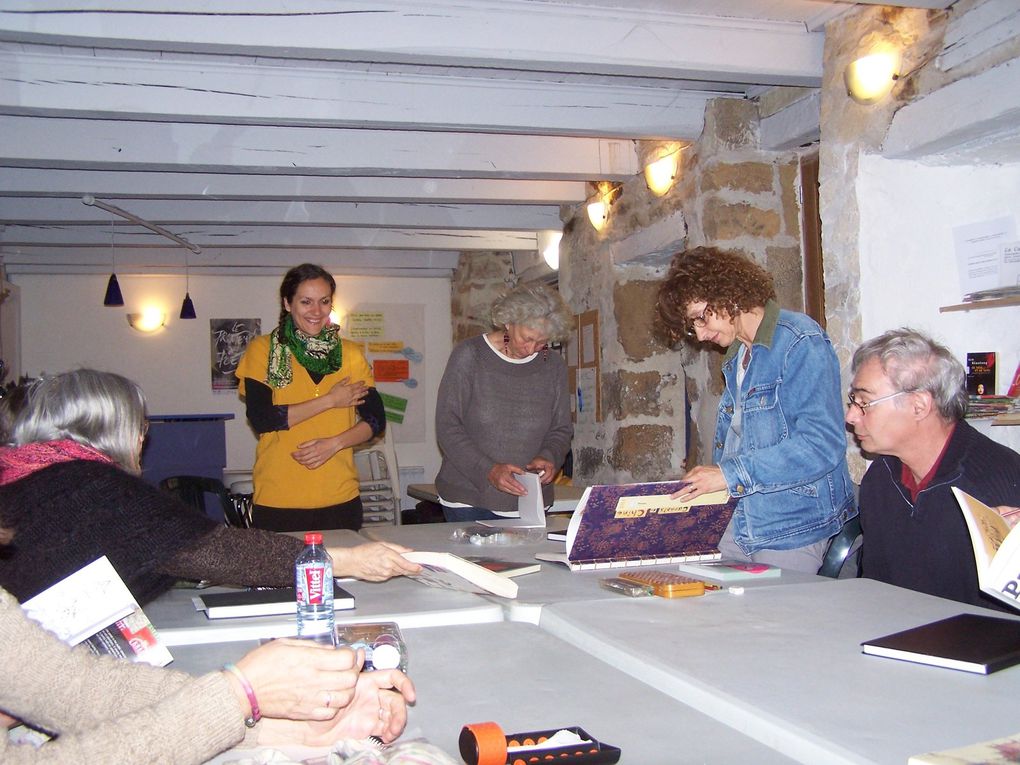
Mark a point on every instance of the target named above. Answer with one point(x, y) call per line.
point(313, 574)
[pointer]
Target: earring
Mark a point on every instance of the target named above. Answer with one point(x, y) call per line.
point(545, 352)
point(506, 341)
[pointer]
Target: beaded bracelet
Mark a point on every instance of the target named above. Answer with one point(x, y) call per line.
point(255, 715)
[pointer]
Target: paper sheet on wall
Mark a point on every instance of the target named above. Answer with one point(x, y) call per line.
point(982, 250)
point(586, 379)
point(588, 344)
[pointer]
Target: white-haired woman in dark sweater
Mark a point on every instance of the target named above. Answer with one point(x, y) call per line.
point(504, 408)
point(69, 489)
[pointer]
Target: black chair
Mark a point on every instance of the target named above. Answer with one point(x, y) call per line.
point(841, 548)
point(192, 490)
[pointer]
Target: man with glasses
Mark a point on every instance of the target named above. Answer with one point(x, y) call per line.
point(906, 407)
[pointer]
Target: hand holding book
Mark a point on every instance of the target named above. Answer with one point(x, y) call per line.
point(703, 479)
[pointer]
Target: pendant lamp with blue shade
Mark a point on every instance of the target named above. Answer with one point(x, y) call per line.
point(113, 294)
point(187, 307)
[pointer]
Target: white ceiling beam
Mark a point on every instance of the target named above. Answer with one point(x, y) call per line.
point(188, 90)
point(114, 184)
point(216, 260)
point(796, 124)
point(972, 120)
point(108, 144)
point(511, 34)
point(172, 213)
point(54, 237)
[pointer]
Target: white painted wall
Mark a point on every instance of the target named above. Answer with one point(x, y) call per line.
point(908, 262)
point(65, 325)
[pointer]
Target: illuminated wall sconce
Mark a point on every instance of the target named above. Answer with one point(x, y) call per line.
point(869, 78)
point(150, 320)
point(660, 173)
point(549, 246)
point(600, 202)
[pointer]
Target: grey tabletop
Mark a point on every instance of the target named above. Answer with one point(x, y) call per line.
point(784, 665)
point(525, 679)
point(555, 583)
point(404, 601)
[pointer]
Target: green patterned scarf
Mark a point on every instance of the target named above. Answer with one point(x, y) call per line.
point(321, 355)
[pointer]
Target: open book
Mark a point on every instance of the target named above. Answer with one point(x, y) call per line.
point(638, 524)
point(996, 549)
point(451, 572)
point(95, 607)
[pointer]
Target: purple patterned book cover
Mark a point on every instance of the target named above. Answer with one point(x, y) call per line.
point(615, 528)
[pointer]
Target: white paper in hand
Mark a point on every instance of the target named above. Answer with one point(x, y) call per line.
point(531, 506)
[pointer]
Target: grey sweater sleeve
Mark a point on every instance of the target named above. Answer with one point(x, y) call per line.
point(456, 443)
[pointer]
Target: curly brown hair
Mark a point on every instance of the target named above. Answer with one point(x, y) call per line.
point(726, 281)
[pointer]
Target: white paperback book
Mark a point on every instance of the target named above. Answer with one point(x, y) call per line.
point(530, 507)
point(94, 606)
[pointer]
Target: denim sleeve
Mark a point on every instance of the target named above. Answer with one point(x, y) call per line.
point(809, 412)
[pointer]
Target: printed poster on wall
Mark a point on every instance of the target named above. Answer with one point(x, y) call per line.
point(228, 339)
point(393, 339)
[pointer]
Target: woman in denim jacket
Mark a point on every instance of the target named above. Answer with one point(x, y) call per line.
point(780, 442)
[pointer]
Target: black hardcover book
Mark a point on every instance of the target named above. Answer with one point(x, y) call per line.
point(968, 642)
point(269, 602)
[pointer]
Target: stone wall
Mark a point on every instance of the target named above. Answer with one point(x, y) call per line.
point(480, 278)
point(850, 130)
point(730, 194)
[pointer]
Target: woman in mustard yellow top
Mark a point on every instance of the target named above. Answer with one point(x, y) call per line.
point(310, 397)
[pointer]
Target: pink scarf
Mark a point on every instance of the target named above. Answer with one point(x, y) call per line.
point(16, 462)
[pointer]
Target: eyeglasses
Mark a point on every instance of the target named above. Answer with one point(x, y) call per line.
point(851, 400)
point(699, 321)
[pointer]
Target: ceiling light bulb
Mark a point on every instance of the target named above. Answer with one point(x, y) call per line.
point(598, 213)
point(660, 174)
point(549, 246)
point(870, 78)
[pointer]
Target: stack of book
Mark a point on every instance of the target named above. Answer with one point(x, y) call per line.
point(988, 406)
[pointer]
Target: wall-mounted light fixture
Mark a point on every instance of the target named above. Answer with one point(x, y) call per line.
point(661, 168)
point(600, 202)
point(869, 79)
point(549, 247)
point(150, 320)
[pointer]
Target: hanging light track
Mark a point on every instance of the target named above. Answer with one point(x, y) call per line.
point(91, 201)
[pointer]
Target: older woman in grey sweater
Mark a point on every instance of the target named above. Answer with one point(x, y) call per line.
point(504, 408)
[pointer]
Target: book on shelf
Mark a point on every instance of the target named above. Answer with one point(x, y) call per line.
point(272, 601)
point(996, 549)
point(968, 642)
point(1014, 385)
point(730, 570)
point(94, 607)
point(451, 572)
point(981, 373)
point(999, 751)
point(638, 524)
point(509, 568)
